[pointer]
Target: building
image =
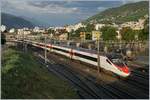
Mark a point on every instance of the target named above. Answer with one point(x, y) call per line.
point(82, 36)
point(135, 25)
point(115, 25)
point(96, 35)
point(12, 30)
point(63, 36)
point(23, 31)
point(10, 36)
point(2, 28)
point(51, 28)
point(99, 26)
point(118, 36)
point(38, 30)
point(69, 28)
point(59, 28)
point(77, 26)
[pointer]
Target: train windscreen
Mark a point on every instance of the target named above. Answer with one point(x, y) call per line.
point(118, 62)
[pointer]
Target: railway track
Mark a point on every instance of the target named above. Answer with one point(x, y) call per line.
point(92, 87)
point(135, 86)
point(109, 90)
point(140, 74)
point(99, 88)
point(73, 79)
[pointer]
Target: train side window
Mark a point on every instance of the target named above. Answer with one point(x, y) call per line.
point(108, 61)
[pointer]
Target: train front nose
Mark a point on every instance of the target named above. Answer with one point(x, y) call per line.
point(126, 69)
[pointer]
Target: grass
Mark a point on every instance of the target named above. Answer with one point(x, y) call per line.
point(23, 77)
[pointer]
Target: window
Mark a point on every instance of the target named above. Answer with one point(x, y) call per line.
point(108, 61)
point(118, 62)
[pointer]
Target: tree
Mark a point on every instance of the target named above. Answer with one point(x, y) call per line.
point(145, 31)
point(128, 33)
point(108, 33)
point(3, 39)
point(50, 31)
point(77, 32)
point(81, 29)
point(88, 36)
point(73, 34)
point(90, 27)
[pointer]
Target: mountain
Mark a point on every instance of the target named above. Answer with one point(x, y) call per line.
point(12, 21)
point(124, 13)
point(35, 21)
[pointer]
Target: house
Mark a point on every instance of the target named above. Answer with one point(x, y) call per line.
point(23, 31)
point(82, 36)
point(69, 28)
point(77, 26)
point(2, 28)
point(135, 25)
point(38, 30)
point(63, 36)
point(12, 30)
point(99, 26)
point(118, 36)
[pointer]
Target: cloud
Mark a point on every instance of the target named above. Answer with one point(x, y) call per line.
point(131, 1)
point(37, 7)
point(59, 11)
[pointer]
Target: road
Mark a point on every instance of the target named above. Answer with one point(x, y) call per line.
point(90, 85)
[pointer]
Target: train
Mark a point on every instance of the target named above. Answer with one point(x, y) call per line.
point(110, 62)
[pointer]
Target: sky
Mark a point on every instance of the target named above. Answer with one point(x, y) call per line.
point(60, 12)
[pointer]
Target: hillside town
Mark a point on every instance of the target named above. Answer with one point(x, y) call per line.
point(62, 33)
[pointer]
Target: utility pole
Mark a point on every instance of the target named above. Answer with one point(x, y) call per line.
point(23, 40)
point(98, 60)
point(45, 56)
point(45, 50)
point(98, 56)
point(26, 44)
point(98, 52)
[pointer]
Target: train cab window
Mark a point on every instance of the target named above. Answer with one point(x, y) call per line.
point(108, 61)
point(118, 62)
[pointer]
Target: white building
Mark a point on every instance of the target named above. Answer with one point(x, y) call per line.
point(63, 36)
point(23, 32)
point(115, 25)
point(134, 25)
point(38, 30)
point(51, 28)
point(69, 28)
point(59, 28)
point(2, 28)
point(99, 26)
point(118, 36)
point(77, 26)
point(12, 30)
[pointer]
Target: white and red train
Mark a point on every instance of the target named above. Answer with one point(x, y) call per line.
point(111, 63)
